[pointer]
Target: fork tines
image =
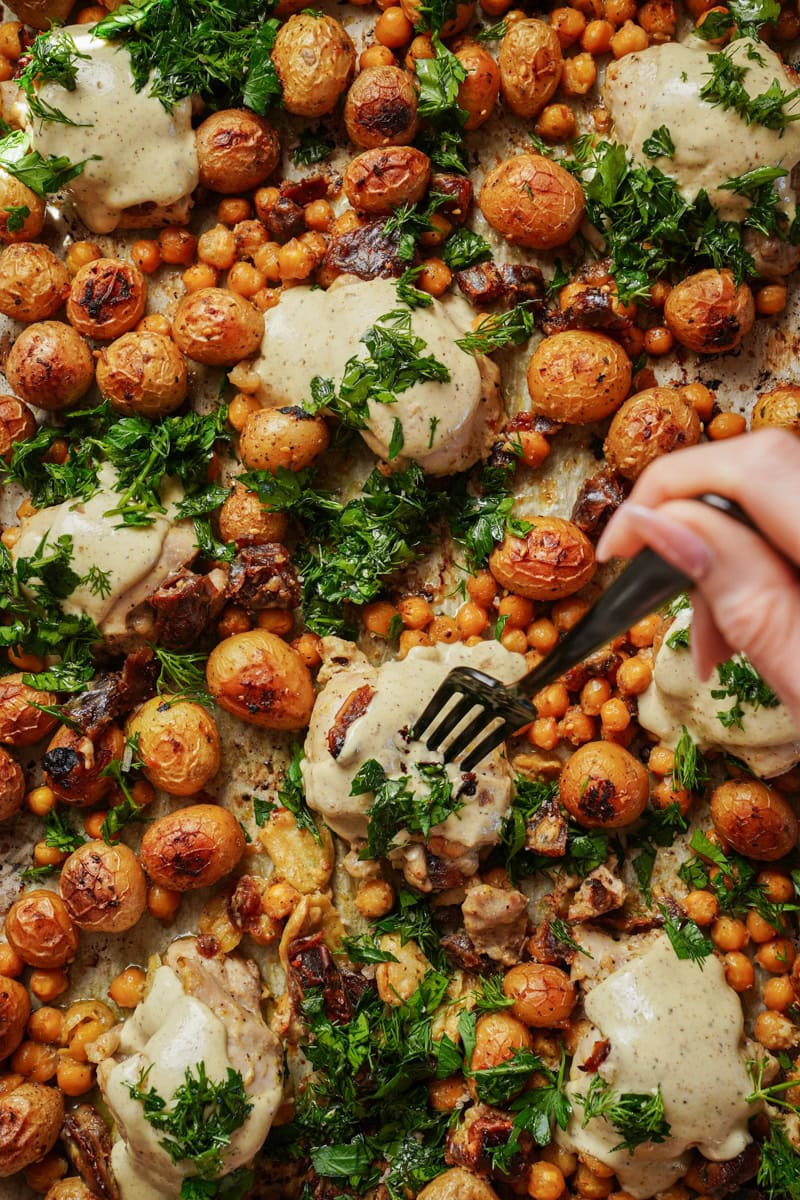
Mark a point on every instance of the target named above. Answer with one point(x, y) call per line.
point(465, 690)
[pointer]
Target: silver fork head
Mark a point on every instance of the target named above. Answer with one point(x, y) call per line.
point(471, 689)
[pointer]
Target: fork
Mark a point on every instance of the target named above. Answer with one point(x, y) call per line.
point(645, 584)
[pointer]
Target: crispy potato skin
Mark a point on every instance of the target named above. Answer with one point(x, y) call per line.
point(543, 995)
point(75, 772)
point(755, 819)
point(380, 179)
point(532, 201)
point(50, 365)
point(72, 1188)
point(192, 848)
point(315, 59)
point(142, 374)
point(40, 929)
point(237, 150)
point(578, 376)
point(178, 744)
point(381, 108)
point(103, 887)
point(603, 786)
point(282, 437)
point(497, 1036)
point(244, 516)
point(554, 560)
point(33, 282)
point(477, 94)
point(107, 298)
point(530, 66)
point(709, 313)
point(217, 327)
point(30, 1121)
point(20, 723)
point(15, 194)
point(257, 677)
point(12, 787)
point(457, 1184)
point(649, 424)
point(15, 1008)
point(779, 408)
point(17, 424)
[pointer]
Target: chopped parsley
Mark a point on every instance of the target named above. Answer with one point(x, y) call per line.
point(465, 248)
point(740, 681)
point(659, 144)
point(311, 148)
point(42, 175)
point(489, 995)
point(408, 293)
point(740, 18)
point(481, 513)
point(182, 676)
point(536, 1111)
point(291, 796)
point(398, 804)
point(586, 849)
point(687, 938)
point(492, 33)
point(439, 80)
point(512, 328)
point(411, 221)
point(638, 1116)
point(777, 1171)
point(690, 769)
point(53, 58)
point(725, 88)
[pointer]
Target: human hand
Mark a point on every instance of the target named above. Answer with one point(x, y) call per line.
point(747, 588)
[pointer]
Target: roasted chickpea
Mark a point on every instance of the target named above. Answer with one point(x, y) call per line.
point(755, 819)
point(74, 764)
point(17, 424)
point(709, 312)
point(142, 374)
point(20, 723)
point(378, 180)
point(244, 516)
point(603, 786)
point(779, 407)
point(33, 282)
point(15, 1009)
point(456, 1184)
point(649, 424)
point(530, 66)
point(477, 94)
point(554, 559)
point(543, 995)
point(282, 437)
point(106, 299)
point(578, 376)
point(236, 150)
point(497, 1036)
point(217, 327)
point(532, 201)
point(103, 887)
point(315, 59)
point(31, 1117)
point(192, 848)
point(257, 677)
point(462, 18)
point(50, 365)
point(39, 928)
point(381, 108)
point(178, 744)
point(12, 788)
point(14, 195)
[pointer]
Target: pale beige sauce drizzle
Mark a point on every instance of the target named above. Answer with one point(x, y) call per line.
point(661, 86)
point(147, 154)
point(314, 332)
point(668, 1022)
point(769, 741)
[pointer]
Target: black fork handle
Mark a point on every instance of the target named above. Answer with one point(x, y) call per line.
point(646, 583)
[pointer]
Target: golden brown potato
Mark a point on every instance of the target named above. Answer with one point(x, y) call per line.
point(33, 282)
point(381, 108)
point(497, 1036)
point(550, 562)
point(380, 179)
point(779, 408)
point(15, 1008)
point(20, 723)
point(40, 929)
point(74, 764)
point(530, 66)
point(217, 327)
point(455, 1184)
point(41, 14)
point(178, 744)
point(50, 365)
point(755, 819)
point(192, 848)
point(14, 195)
point(477, 94)
point(12, 788)
point(30, 1121)
point(543, 995)
point(106, 299)
point(72, 1188)
point(236, 150)
point(17, 424)
point(532, 201)
point(708, 312)
point(413, 10)
point(142, 374)
point(649, 424)
point(603, 786)
point(244, 516)
point(282, 437)
point(578, 376)
point(315, 59)
point(103, 887)
point(257, 677)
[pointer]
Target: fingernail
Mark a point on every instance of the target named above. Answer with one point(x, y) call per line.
point(676, 543)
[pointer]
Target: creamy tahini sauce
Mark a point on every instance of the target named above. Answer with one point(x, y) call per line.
point(314, 332)
point(147, 154)
point(127, 553)
point(168, 1033)
point(769, 741)
point(661, 86)
point(673, 1024)
point(402, 689)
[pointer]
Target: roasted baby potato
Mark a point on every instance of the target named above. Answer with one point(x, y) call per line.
point(12, 787)
point(315, 59)
point(755, 819)
point(532, 201)
point(458, 1184)
point(15, 195)
point(15, 1008)
point(217, 327)
point(257, 677)
point(649, 424)
point(33, 282)
point(31, 1117)
point(282, 437)
point(243, 516)
point(74, 764)
point(779, 408)
point(237, 150)
point(530, 66)
point(381, 108)
point(603, 786)
point(103, 887)
point(497, 1036)
point(477, 94)
point(17, 424)
point(20, 723)
point(379, 180)
point(41, 14)
point(192, 848)
point(50, 365)
point(709, 312)
point(543, 995)
point(107, 298)
point(550, 562)
point(40, 929)
point(578, 376)
point(178, 744)
point(142, 374)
